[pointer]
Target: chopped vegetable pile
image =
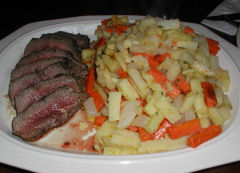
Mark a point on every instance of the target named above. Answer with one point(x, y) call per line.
point(154, 85)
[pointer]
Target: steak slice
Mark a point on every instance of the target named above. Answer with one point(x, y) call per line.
point(45, 54)
point(50, 112)
point(34, 67)
point(82, 41)
point(18, 85)
point(35, 92)
point(65, 67)
point(52, 42)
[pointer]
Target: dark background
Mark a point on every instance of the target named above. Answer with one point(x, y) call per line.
point(14, 15)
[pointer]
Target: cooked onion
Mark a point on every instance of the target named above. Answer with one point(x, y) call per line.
point(190, 115)
point(90, 108)
point(140, 121)
point(128, 114)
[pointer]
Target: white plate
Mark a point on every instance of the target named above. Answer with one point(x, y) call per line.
point(223, 149)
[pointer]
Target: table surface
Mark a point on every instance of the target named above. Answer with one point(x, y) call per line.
point(194, 11)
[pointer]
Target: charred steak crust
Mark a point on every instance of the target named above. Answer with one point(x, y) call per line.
point(47, 85)
point(73, 43)
point(82, 41)
point(44, 54)
point(37, 44)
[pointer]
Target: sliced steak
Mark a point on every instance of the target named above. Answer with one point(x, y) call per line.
point(50, 112)
point(65, 67)
point(37, 44)
point(47, 85)
point(18, 85)
point(79, 72)
point(35, 92)
point(82, 41)
point(45, 54)
point(34, 67)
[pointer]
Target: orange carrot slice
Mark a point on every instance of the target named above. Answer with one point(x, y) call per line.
point(142, 102)
point(188, 30)
point(184, 129)
point(158, 76)
point(133, 128)
point(173, 92)
point(90, 81)
point(152, 62)
point(98, 100)
point(203, 136)
point(209, 94)
point(105, 21)
point(182, 84)
point(162, 129)
point(99, 120)
point(213, 46)
point(122, 73)
point(100, 42)
point(144, 135)
point(161, 78)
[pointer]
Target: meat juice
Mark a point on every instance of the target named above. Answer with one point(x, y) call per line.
point(75, 135)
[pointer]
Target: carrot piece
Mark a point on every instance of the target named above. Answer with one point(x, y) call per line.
point(142, 102)
point(184, 129)
point(105, 21)
point(209, 94)
point(106, 90)
point(123, 99)
point(213, 46)
point(188, 30)
point(90, 81)
point(118, 31)
point(182, 84)
point(133, 128)
point(162, 129)
point(151, 58)
point(144, 135)
point(98, 100)
point(174, 92)
point(122, 73)
point(99, 120)
point(161, 78)
point(100, 42)
point(109, 30)
point(144, 113)
point(159, 36)
point(122, 28)
point(158, 76)
point(203, 136)
point(152, 62)
point(161, 58)
point(160, 44)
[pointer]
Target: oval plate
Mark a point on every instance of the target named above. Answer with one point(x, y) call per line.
point(221, 150)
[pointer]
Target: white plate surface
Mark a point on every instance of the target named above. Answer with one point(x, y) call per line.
point(221, 150)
